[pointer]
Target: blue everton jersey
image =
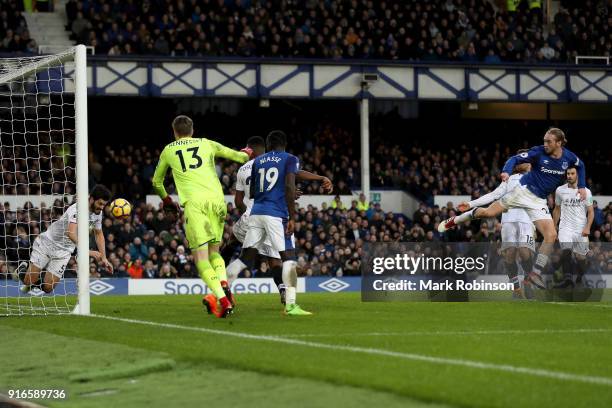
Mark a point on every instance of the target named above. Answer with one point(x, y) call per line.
point(268, 183)
point(547, 173)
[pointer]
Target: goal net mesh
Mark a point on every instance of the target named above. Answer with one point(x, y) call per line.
point(37, 183)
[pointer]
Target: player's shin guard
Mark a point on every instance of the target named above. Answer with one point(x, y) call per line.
point(289, 272)
point(209, 276)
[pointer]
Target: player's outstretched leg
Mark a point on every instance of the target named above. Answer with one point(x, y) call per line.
point(475, 213)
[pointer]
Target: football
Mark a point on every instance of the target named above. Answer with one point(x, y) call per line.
point(120, 208)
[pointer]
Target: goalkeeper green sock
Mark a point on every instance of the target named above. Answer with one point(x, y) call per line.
point(218, 263)
point(209, 276)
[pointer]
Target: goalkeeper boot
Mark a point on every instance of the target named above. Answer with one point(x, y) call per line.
point(226, 308)
point(228, 293)
point(446, 225)
point(210, 303)
point(296, 310)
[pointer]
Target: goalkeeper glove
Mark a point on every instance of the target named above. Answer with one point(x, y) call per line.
point(171, 208)
point(248, 151)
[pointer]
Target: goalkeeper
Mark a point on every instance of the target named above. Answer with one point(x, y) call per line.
point(192, 161)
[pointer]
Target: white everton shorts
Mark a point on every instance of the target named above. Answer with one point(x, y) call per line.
point(574, 240)
point(518, 235)
point(264, 228)
point(240, 229)
point(49, 258)
point(535, 207)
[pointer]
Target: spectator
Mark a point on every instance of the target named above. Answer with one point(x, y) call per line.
point(337, 203)
point(138, 250)
point(150, 270)
point(362, 204)
point(135, 270)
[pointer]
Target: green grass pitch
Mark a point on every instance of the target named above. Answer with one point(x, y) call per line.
point(161, 351)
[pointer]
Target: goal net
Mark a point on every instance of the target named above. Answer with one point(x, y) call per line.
point(42, 138)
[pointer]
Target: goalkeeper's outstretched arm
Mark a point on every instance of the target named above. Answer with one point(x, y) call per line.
point(230, 154)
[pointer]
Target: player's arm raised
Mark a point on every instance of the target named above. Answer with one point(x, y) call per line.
point(242, 156)
point(308, 176)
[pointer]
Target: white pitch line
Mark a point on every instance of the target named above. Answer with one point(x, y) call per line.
point(589, 304)
point(557, 375)
point(452, 333)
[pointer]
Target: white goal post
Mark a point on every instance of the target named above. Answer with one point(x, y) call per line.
point(44, 157)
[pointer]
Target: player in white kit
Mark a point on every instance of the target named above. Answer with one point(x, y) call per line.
point(576, 219)
point(53, 248)
point(517, 229)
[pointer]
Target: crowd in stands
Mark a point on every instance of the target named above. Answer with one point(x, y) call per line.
point(14, 34)
point(411, 164)
point(438, 30)
point(329, 239)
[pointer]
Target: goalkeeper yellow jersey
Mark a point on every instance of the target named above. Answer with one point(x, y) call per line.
point(192, 161)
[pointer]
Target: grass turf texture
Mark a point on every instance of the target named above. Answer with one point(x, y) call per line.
point(175, 366)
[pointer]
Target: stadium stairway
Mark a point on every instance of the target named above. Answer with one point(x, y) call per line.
point(49, 29)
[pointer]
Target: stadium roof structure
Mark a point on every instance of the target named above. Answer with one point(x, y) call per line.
point(308, 79)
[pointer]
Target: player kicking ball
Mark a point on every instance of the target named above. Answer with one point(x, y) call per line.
point(548, 165)
point(244, 202)
point(192, 161)
point(53, 248)
point(576, 219)
point(517, 229)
